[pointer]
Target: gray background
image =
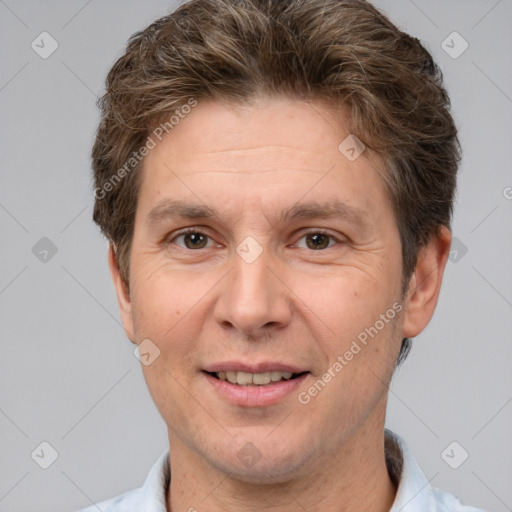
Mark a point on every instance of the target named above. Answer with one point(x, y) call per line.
point(68, 374)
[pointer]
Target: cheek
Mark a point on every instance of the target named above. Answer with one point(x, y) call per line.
point(349, 301)
point(167, 310)
point(356, 324)
point(357, 376)
point(164, 303)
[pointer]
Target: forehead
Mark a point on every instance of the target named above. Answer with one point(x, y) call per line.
point(275, 127)
point(275, 151)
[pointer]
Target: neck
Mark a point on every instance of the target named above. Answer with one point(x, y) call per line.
point(352, 478)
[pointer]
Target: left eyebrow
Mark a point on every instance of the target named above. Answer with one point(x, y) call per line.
point(168, 209)
point(327, 210)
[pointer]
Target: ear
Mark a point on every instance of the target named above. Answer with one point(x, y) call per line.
point(123, 295)
point(425, 283)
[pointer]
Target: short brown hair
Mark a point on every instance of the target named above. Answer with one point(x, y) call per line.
point(344, 51)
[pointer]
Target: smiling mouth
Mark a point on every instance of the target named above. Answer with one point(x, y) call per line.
point(255, 379)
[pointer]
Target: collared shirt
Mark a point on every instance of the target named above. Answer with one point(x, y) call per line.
point(414, 494)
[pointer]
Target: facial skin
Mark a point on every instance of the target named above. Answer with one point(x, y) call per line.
point(294, 305)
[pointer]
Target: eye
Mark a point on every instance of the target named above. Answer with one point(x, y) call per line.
point(317, 241)
point(193, 240)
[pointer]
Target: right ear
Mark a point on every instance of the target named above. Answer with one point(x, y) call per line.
point(123, 295)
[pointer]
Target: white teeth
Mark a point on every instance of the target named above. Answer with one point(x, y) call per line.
point(261, 378)
point(254, 379)
point(275, 376)
point(244, 379)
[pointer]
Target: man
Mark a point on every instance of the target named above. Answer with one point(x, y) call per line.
point(276, 180)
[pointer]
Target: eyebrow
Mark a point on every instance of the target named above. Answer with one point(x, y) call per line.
point(169, 209)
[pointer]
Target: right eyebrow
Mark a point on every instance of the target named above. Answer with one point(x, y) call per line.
point(168, 209)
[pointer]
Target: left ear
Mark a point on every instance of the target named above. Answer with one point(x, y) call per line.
point(425, 283)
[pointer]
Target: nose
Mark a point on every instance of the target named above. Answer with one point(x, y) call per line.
point(253, 300)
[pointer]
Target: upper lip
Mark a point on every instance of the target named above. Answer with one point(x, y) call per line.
point(238, 366)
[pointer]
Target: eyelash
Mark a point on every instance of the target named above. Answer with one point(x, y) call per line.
point(197, 231)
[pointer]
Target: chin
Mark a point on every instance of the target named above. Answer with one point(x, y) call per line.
point(270, 465)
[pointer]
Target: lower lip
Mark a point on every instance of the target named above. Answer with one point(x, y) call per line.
point(255, 396)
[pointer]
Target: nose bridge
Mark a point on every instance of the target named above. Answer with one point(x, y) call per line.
point(250, 278)
point(252, 298)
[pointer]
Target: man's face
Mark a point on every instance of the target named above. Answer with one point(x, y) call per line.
point(259, 247)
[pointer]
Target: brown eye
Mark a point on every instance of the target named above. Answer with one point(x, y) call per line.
point(192, 240)
point(195, 241)
point(318, 241)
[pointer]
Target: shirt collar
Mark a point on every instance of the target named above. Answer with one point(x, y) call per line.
point(414, 491)
point(156, 485)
